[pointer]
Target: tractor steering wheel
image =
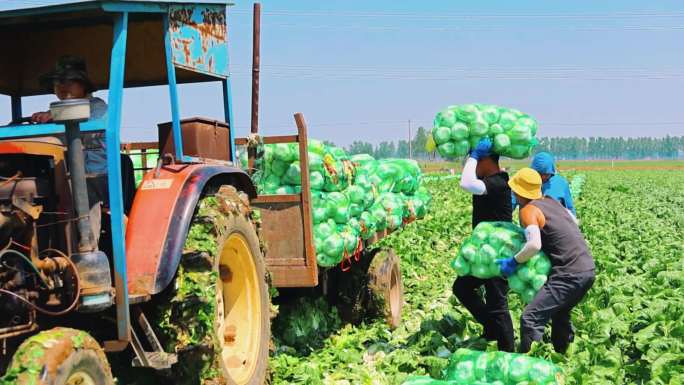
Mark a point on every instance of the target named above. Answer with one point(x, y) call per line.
point(23, 120)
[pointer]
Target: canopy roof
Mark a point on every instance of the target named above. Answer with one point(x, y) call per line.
point(33, 39)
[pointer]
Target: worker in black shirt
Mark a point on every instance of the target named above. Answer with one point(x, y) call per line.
point(482, 177)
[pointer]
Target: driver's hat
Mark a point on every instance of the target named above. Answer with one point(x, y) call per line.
point(67, 68)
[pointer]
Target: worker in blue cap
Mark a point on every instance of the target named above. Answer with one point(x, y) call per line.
point(553, 185)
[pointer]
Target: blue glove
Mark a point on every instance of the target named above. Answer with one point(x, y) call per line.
point(482, 150)
point(507, 266)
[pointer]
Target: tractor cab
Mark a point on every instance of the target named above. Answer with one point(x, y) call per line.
point(54, 262)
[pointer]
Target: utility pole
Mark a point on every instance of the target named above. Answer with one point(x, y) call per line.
point(409, 141)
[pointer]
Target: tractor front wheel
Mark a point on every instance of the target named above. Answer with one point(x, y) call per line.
point(59, 356)
point(218, 316)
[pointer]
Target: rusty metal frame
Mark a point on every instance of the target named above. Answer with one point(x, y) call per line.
point(295, 270)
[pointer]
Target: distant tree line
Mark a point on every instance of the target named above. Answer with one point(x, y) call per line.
point(391, 149)
point(669, 147)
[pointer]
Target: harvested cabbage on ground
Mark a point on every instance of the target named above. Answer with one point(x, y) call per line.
point(472, 367)
point(305, 324)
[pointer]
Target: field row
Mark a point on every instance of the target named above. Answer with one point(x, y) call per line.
point(629, 330)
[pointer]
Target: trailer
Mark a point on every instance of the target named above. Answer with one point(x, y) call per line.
point(366, 284)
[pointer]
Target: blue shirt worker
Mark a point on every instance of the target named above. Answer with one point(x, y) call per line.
point(553, 185)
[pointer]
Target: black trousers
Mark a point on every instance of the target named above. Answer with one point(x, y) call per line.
point(98, 191)
point(553, 303)
point(98, 196)
point(492, 313)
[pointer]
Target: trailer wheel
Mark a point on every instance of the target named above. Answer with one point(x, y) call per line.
point(218, 318)
point(385, 287)
point(59, 356)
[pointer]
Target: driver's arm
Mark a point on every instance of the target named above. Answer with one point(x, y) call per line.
point(41, 117)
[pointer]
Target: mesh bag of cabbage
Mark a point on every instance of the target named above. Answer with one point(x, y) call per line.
point(470, 366)
point(353, 197)
point(458, 128)
point(494, 240)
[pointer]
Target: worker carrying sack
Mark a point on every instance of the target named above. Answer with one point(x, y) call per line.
point(497, 240)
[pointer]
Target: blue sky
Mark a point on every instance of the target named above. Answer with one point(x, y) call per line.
point(359, 70)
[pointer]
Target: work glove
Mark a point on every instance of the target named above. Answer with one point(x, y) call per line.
point(507, 266)
point(482, 150)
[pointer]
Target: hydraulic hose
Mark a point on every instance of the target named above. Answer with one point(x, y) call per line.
point(25, 259)
point(39, 309)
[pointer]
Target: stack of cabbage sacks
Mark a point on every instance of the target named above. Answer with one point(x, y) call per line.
point(576, 186)
point(353, 197)
point(471, 367)
point(459, 128)
point(495, 240)
point(467, 366)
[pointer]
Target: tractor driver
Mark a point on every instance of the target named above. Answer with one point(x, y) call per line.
point(69, 80)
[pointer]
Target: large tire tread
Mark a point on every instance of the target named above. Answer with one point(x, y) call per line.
point(185, 316)
point(53, 356)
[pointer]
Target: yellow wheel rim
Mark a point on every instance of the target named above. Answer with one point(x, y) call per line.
point(80, 378)
point(239, 310)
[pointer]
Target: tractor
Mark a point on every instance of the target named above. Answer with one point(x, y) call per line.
point(174, 278)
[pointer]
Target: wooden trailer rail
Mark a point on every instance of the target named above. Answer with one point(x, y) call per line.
point(145, 148)
point(287, 223)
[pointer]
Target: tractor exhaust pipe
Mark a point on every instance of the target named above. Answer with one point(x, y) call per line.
point(71, 113)
point(92, 264)
point(256, 63)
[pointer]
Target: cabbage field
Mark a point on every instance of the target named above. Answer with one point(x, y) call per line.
point(629, 328)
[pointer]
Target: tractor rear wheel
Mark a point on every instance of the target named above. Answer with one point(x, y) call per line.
point(371, 289)
point(218, 318)
point(385, 287)
point(59, 356)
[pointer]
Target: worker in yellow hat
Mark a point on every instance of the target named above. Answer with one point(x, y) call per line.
point(549, 227)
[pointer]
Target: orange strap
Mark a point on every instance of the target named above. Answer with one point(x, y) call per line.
point(330, 168)
point(345, 264)
point(358, 251)
point(348, 170)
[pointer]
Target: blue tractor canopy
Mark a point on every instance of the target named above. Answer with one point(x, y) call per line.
point(195, 35)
